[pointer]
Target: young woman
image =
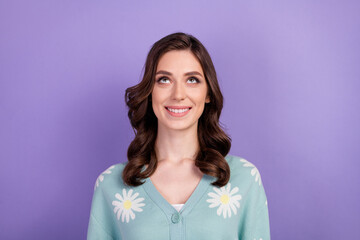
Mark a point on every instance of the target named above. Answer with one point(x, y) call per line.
point(179, 181)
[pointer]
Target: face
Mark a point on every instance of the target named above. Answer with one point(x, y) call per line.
point(180, 91)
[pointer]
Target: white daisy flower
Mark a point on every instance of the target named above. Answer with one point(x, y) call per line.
point(101, 176)
point(225, 200)
point(127, 204)
point(254, 170)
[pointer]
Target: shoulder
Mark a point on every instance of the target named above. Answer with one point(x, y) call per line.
point(243, 170)
point(110, 177)
point(246, 176)
point(237, 163)
point(107, 183)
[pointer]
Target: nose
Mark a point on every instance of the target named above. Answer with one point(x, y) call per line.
point(179, 92)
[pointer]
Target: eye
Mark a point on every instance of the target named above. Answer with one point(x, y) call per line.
point(193, 80)
point(163, 80)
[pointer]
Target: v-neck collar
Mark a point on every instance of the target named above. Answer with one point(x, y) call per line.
point(162, 203)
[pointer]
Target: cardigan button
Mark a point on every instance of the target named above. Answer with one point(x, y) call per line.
point(175, 218)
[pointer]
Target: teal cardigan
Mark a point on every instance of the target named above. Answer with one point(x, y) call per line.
point(236, 211)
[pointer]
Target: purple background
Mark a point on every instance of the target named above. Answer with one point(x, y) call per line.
point(289, 72)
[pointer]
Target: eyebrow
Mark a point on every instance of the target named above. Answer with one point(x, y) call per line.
point(186, 74)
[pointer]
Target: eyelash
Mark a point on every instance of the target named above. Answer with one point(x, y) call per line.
point(161, 78)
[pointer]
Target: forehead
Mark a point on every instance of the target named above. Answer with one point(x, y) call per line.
point(179, 60)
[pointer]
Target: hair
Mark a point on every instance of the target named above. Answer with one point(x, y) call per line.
point(214, 142)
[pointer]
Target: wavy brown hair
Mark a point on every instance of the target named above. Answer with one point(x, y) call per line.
point(214, 142)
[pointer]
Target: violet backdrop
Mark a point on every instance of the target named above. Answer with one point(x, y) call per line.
point(289, 72)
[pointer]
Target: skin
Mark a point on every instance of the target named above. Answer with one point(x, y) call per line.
point(176, 146)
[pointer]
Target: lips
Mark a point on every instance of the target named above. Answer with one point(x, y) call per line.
point(178, 107)
point(177, 111)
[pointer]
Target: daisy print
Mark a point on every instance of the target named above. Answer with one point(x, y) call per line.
point(101, 176)
point(254, 170)
point(128, 204)
point(225, 200)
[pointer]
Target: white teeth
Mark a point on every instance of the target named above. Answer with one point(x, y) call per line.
point(178, 110)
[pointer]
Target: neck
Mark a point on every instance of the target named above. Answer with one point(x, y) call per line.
point(176, 146)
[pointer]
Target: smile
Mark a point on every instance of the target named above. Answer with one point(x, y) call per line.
point(178, 111)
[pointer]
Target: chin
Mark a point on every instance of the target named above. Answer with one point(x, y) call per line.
point(179, 126)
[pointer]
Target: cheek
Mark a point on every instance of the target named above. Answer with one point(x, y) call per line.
point(156, 101)
point(158, 91)
point(155, 96)
point(199, 96)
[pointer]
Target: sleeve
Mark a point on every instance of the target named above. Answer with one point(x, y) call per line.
point(96, 231)
point(261, 226)
point(255, 224)
point(101, 223)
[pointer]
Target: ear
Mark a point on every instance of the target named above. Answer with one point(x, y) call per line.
point(207, 100)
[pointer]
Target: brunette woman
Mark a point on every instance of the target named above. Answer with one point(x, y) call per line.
point(179, 182)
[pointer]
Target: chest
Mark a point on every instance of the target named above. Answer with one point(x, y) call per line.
point(197, 220)
point(176, 185)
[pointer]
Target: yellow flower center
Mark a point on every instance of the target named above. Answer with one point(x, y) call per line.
point(127, 204)
point(224, 199)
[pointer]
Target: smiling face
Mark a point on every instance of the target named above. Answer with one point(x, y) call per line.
point(180, 91)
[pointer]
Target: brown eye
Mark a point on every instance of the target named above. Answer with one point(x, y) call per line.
point(193, 80)
point(162, 80)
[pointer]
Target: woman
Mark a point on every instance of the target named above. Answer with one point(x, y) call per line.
point(179, 181)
